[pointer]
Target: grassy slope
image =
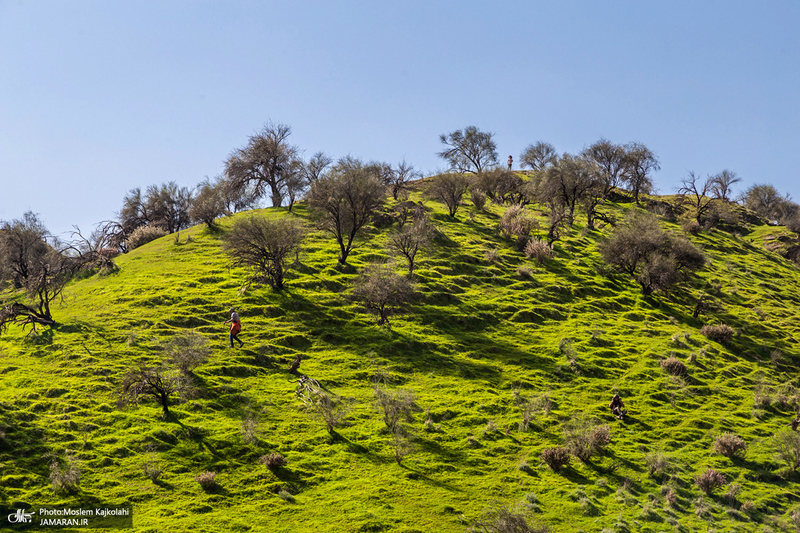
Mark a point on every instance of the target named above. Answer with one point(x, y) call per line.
point(478, 330)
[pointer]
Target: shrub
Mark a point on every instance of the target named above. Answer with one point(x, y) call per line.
point(144, 234)
point(787, 446)
point(691, 226)
point(478, 198)
point(273, 460)
point(188, 351)
point(673, 366)
point(151, 467)
point(448, 189)
point(721, 333)
point(64, 477)
point(710, 480)
point(502, 520)
point(583, 440)
point(730, 445)
point(207, 480)
point(516, 222)
point(286, 496)
point(538, 250)
point(491, 255)
point(556, 458)
point(265, 245)
point(657, 463)
point(382, 291)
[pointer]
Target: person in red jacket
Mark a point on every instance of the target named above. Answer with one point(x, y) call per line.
point(236, 327)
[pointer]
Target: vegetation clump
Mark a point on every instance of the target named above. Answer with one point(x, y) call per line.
point(673, 366)
point(730, 445)
point(556, 458)
point(710, 480)
point(722, 333)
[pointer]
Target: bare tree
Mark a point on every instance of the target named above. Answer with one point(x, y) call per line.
point(331, 409)
point(316, 166)
point(296, 183)
point(449, 189)
point(539, 156)
point(144, 381)
point(470, 150)
point(265, 163)
point(22, 245)
point(343, 201)
point(188, 351)
point(698, 194)
point(640, 162)
point(610, 158)
point(411, 238)
point(402, 174)
point(264, 245)
point(382, 291)
point(208, 204)
point(567, 182)
point(765, 200)
point(721, 184)
point(166, 206)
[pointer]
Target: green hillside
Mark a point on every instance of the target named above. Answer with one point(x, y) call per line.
point(490, 333)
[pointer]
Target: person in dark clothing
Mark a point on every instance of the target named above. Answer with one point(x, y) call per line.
point(617, 407)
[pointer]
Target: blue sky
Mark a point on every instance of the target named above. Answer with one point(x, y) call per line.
point(98, 97)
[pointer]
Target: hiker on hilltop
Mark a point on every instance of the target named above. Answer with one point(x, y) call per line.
point(510, 162)
point(236, 327)
point(617, 407)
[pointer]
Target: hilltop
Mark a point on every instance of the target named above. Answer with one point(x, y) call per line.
point(491, 335)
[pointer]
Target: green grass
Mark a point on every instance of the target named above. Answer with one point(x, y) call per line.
point(478, 330)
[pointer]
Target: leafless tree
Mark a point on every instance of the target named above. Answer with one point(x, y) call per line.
point(265, 245)
point(698, 194)
point(402, 174)
point(343, 201)
point(640, 162)
point(449, 189)
point(382, 291)
point(539, 156)
point(22, 245)
point(144, 381)
point(314, 169)
point(765, 200)
point(208, 204)
point(331, 409)
point(265, 163)
point(721, 184)
point(411, 238)
point(166, 206)
point(567, 182)
point(610, 158)
point(469, 151)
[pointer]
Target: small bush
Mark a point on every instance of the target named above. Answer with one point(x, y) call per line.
point(273, 460)
point(673, 366)
point(538, 250)
point(502, 520)
point(207, 480)
point(730, 445)
point(556, 458)
point(188, 351)
point(152, 468)
point(478, 198)
point(144, 234)
point(286, 496)
point(583, 440)
point(710, 480)
point(691, 227)
point(657, 463)
point(64, 478)
point(787, 447)
point(721, 333)
point(516, 222)
point(491, 255)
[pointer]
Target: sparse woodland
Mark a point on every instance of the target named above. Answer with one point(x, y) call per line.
point(461, 336)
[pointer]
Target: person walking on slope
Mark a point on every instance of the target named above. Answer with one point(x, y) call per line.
point(236, 327)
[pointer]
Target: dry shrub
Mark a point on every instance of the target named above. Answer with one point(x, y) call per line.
point(144, 234)
point(478, 198)
point(207, 480)
point(584, 440)
point(556, 458)
point(188, 351)
point(673, 366)
point(64, 477)
point(152, 467)
point(730, 445)
point(491, 255)
point(710, 480)
point(273, 460)
point(657, 463)
point(538, 250)
point(787, 447)
point(516, 222)
point(722, 333)
point(691, 227)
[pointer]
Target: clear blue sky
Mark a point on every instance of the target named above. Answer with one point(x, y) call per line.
point(98, 97)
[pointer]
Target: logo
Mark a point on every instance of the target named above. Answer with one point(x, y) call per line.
point(20, 517)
